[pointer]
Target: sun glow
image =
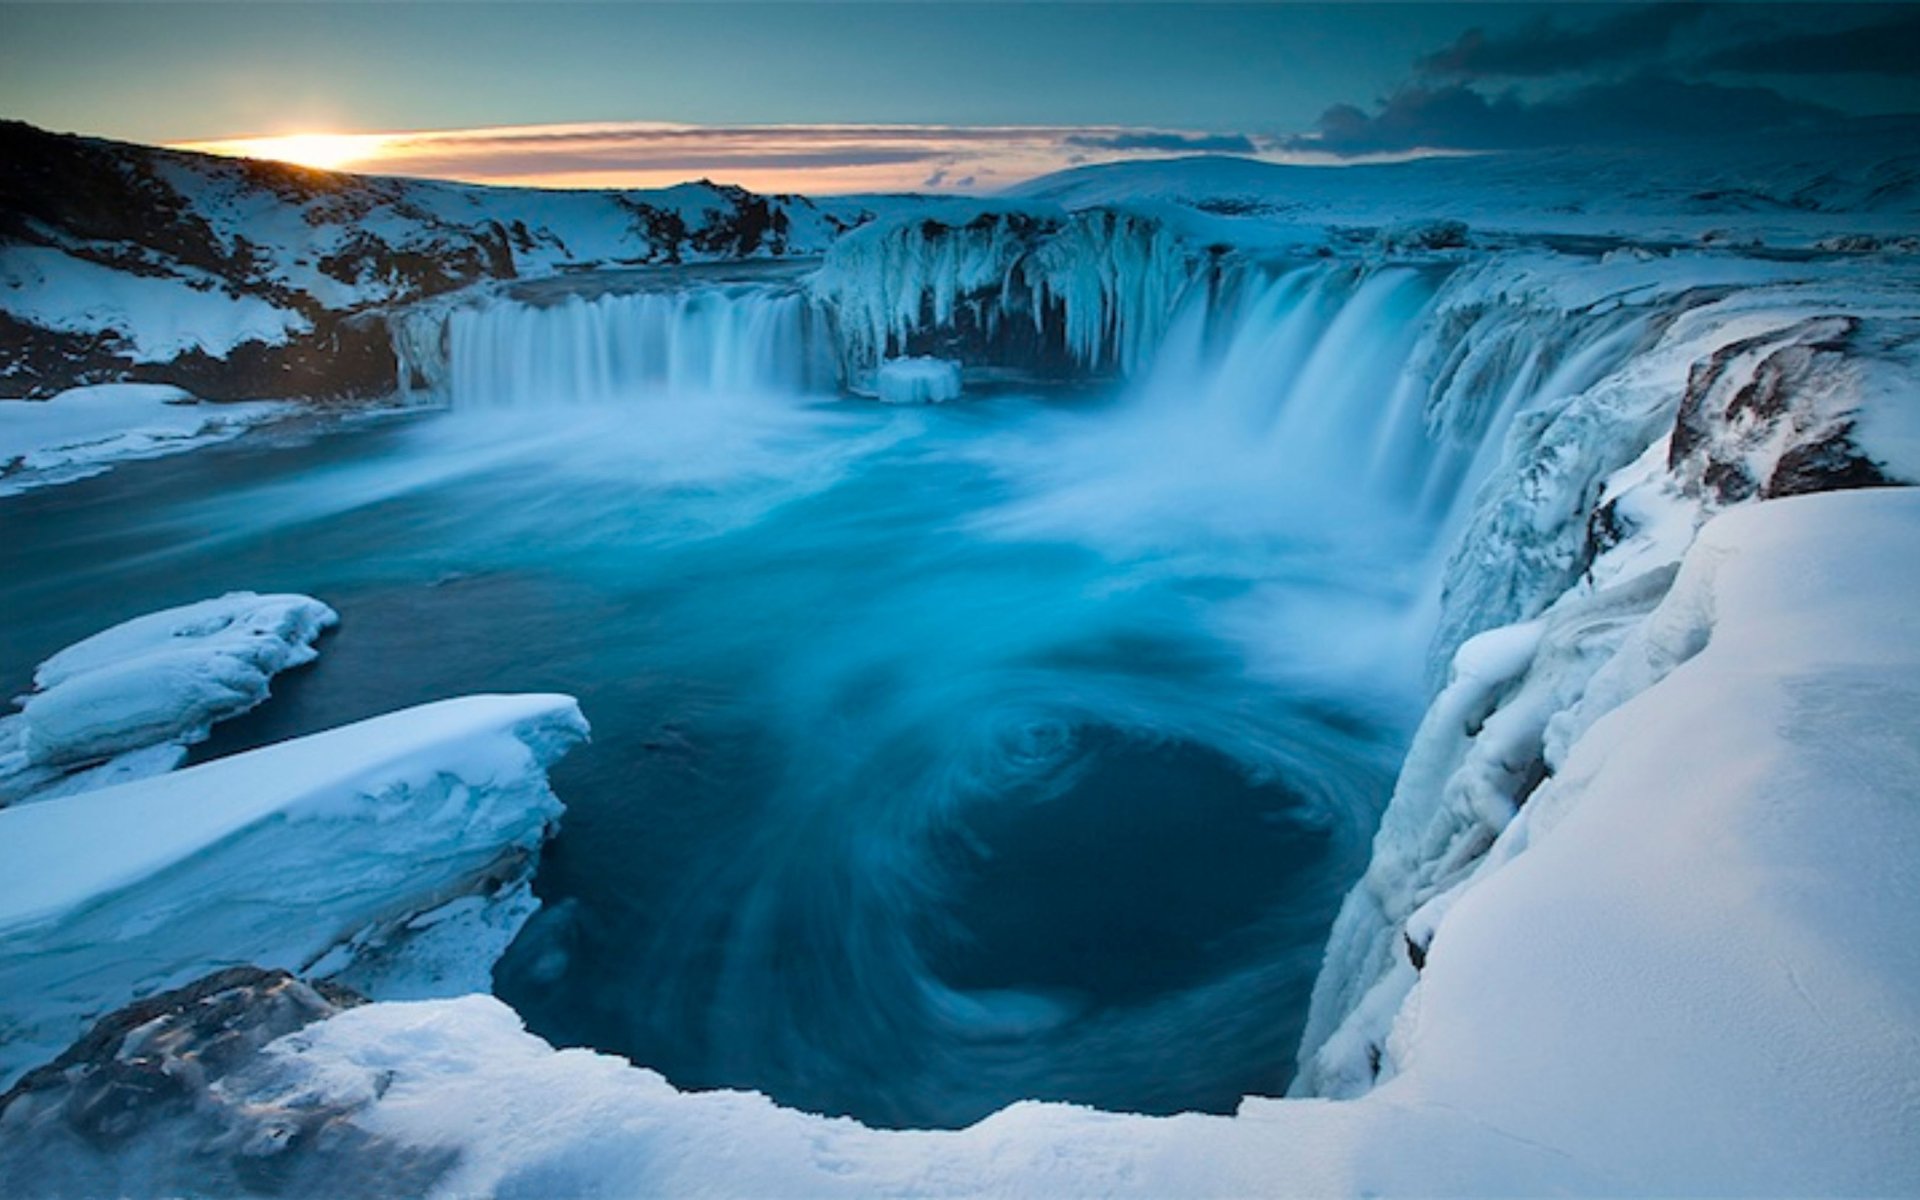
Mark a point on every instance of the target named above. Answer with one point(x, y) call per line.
point(325, 151)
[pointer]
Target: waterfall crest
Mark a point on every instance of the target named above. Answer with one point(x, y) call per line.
point(615, 348)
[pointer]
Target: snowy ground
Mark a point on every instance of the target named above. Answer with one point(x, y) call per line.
point(1689, 968)
point(331, 855)
point(86, 430)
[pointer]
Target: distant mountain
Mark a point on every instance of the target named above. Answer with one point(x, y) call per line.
point(1785, 183)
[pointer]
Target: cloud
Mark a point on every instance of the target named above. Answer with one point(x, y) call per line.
point(1544, 47)
point(1888, 48)
point(1173, 143)
point(767, 158)
point(1643, 108)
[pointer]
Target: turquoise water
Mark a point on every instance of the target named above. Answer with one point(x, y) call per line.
point(941, 758)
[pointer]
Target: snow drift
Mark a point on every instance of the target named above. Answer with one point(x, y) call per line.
point(127, 702)
point(84, 431)
point(346, 854)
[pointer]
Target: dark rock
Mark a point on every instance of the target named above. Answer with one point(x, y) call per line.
point(1831, 464)
point(171, 1095)
point(1760, 406)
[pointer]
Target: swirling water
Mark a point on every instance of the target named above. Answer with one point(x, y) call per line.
point(942, 758)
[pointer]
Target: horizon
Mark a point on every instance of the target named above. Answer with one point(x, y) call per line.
point(938, 96)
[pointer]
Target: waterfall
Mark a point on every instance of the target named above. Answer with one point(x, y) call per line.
point(613, 348)
point(1307, 373)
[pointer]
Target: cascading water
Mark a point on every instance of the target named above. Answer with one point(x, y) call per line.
point(616, 347)
point(943, 758)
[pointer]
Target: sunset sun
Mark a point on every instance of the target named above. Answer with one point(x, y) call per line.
point(324, 151)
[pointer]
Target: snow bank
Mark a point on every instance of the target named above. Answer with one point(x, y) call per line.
point(1573, 368)
point(157, 314)
point(1795, 382)
point(316, 855)
point(127, 702)
point(918, 381)
point(1691, 972)
point(84, 430)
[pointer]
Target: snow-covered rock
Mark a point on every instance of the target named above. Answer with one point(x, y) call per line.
point(918, 381)
point(151, 1101)
point(84, 431)
point(322, 855)
point(1769, 390)
point(128, 701)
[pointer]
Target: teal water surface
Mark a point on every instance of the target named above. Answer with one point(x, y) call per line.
point(941, 758)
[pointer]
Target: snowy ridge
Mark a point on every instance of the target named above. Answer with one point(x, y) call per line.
point(1582, 1016)
point(239, 279)
point(1790, 189)
point(322, 855)
point(128, 701)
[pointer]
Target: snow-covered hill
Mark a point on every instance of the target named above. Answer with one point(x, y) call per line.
point(1793, 189)
point(241, 279)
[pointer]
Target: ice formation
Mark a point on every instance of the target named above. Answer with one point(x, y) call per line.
point(1099, 286)
point(325, 855)
point(128, 701)
point(918, 380)
point(1614, 937)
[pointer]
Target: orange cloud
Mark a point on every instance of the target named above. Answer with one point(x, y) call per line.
point(818, 159)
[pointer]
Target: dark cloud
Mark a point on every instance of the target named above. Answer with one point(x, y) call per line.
point(1194, 143)
point(1888, 48)
point(1646, 107)
point(1545, 47)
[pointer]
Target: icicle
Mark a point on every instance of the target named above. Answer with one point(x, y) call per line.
point(1105, 283)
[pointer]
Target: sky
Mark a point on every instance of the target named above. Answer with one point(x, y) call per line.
point(928, 95)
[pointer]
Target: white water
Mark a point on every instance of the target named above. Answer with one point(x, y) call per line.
point(617, 347)
point(920, 661)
